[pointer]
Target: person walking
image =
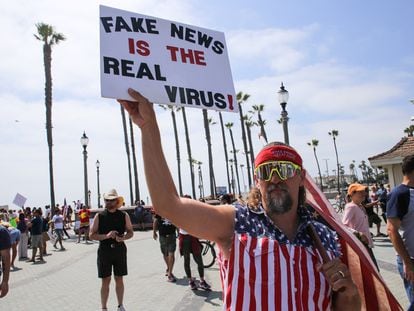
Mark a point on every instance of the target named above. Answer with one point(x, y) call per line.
point(24, 236)
point(400, 214)
point(356, 218)
point(84, 215)
point(58, 223)
point(111, 228)
point(167, 237)
point(277, 240)
point(36, 226)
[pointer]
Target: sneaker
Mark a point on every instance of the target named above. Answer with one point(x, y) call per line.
point(54, 245)
point(381, 235)
point(121, 308)
point(193, 284)
point(204, 285)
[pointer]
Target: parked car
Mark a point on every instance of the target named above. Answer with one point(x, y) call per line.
point(148, 216)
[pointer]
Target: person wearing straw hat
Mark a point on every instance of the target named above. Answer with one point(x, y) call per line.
point(111, 228)
point(267, 260)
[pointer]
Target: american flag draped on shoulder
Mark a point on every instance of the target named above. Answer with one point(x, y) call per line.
point(374, 293)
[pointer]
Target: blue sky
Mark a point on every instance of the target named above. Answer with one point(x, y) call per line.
point(347, 66)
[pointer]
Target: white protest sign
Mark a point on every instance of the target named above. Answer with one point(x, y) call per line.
point(168, 62)
point(19, 200)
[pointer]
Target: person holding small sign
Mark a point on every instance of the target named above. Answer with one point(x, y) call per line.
point(267, 261)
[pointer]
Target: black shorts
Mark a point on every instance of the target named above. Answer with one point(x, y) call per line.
point(168, 244)
point(109, 257)
point(373, 219)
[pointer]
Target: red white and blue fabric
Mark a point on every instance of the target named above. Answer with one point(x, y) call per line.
point(266, 271)
point(374, 293)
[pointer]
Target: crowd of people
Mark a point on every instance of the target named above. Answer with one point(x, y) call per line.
point(268, 254)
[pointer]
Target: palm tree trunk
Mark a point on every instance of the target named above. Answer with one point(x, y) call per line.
point(134, 160)
point(210, 155)
point(47, 58)
point(337, 166)
point(127, 152)
point(177, 150)
point(226, 156)
point(246, 153)
point(249, 137)
point(187, 138)
point(319, 168)
point(235, 161)
point(262, 129)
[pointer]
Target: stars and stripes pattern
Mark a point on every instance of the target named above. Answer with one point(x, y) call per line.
point(266, 271)
point(375, 295)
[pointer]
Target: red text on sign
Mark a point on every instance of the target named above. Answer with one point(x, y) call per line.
point(186, 56)
point(140, 47)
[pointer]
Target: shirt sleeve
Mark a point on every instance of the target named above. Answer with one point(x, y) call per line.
point(397, 205)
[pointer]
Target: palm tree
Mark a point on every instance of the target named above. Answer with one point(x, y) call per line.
point(226, 157)
point(173, 109)
point(229, 126)
point(127, 152)
point(187, 139)
point(49, 37)
point(241, 98)
point(314, 143)
point(249, 124)
point(207, 122)
point(259, 109)
point(363, 167)
point(409, 130)
point(134, 161)
point(352, 171)
point(334, 134)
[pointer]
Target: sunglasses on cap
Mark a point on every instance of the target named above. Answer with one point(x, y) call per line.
point(284, 170)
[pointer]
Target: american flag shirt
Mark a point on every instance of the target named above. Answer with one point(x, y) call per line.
point(266, 271)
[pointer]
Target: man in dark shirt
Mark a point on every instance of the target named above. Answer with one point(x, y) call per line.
point(168, 245)
point(5, 245)
point(111, 228)
point(36, 228)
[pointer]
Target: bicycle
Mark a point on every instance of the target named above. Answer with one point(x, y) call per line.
point(339, 203)
point(208, 252)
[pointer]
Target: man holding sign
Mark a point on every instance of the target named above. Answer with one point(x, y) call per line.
point(268, 260)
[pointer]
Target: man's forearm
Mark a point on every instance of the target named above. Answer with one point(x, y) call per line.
point(398, 244)
point(348, 299)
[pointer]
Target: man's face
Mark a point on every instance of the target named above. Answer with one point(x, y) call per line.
point(280, 196)
point(111, 204)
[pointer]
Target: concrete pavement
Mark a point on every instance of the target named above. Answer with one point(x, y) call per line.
point(68, 280)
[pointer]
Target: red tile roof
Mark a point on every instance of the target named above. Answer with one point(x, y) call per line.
point(403, 148)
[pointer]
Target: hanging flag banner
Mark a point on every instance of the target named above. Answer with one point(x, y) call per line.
point(168, 62)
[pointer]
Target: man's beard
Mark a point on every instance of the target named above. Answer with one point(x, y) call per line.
point(278, 202)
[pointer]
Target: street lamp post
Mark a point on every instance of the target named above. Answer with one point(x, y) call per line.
point(283, 99)
point(84, 142)
point(98, 164)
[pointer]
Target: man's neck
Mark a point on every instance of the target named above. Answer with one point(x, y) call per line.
point(409, 181)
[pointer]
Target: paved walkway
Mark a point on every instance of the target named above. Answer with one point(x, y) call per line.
point(68, 280)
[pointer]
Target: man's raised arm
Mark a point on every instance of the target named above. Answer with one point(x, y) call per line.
point(199, 219)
